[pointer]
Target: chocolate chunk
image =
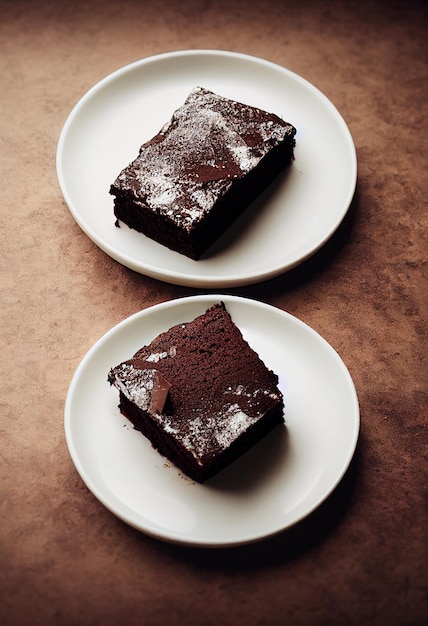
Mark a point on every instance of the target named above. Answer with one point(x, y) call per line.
point(141, 383)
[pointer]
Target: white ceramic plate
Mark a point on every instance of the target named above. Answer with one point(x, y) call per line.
point(292, 219)
point(273, 486)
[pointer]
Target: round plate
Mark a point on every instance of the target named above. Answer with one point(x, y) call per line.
point(271, 487)
point(288, 223)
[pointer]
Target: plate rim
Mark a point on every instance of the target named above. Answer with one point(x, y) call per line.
point(188, 278)
point(168, 535)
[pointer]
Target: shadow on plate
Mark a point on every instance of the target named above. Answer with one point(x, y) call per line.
point(307, 270)
point(254, 467)
point(285, 546)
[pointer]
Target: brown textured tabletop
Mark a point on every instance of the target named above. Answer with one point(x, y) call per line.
point(361, 558)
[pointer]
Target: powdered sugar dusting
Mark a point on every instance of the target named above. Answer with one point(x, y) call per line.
point(240, 390)
point(214, 432)
point(209, 142)
point(135, 384)
point(154, 357)
point(232, 422)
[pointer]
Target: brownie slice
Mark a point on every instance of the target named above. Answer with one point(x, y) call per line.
point(199, 173)
point(199, 393)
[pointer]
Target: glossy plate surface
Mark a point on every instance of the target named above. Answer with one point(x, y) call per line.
point(273, 486)
point(286, 225)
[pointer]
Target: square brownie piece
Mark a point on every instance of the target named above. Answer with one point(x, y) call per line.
point(198, 174)
point(199, 393)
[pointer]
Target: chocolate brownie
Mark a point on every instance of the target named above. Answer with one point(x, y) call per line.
point(199, 173)
point(199, 393)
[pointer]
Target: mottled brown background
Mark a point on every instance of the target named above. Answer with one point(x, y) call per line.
point(361, 558)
